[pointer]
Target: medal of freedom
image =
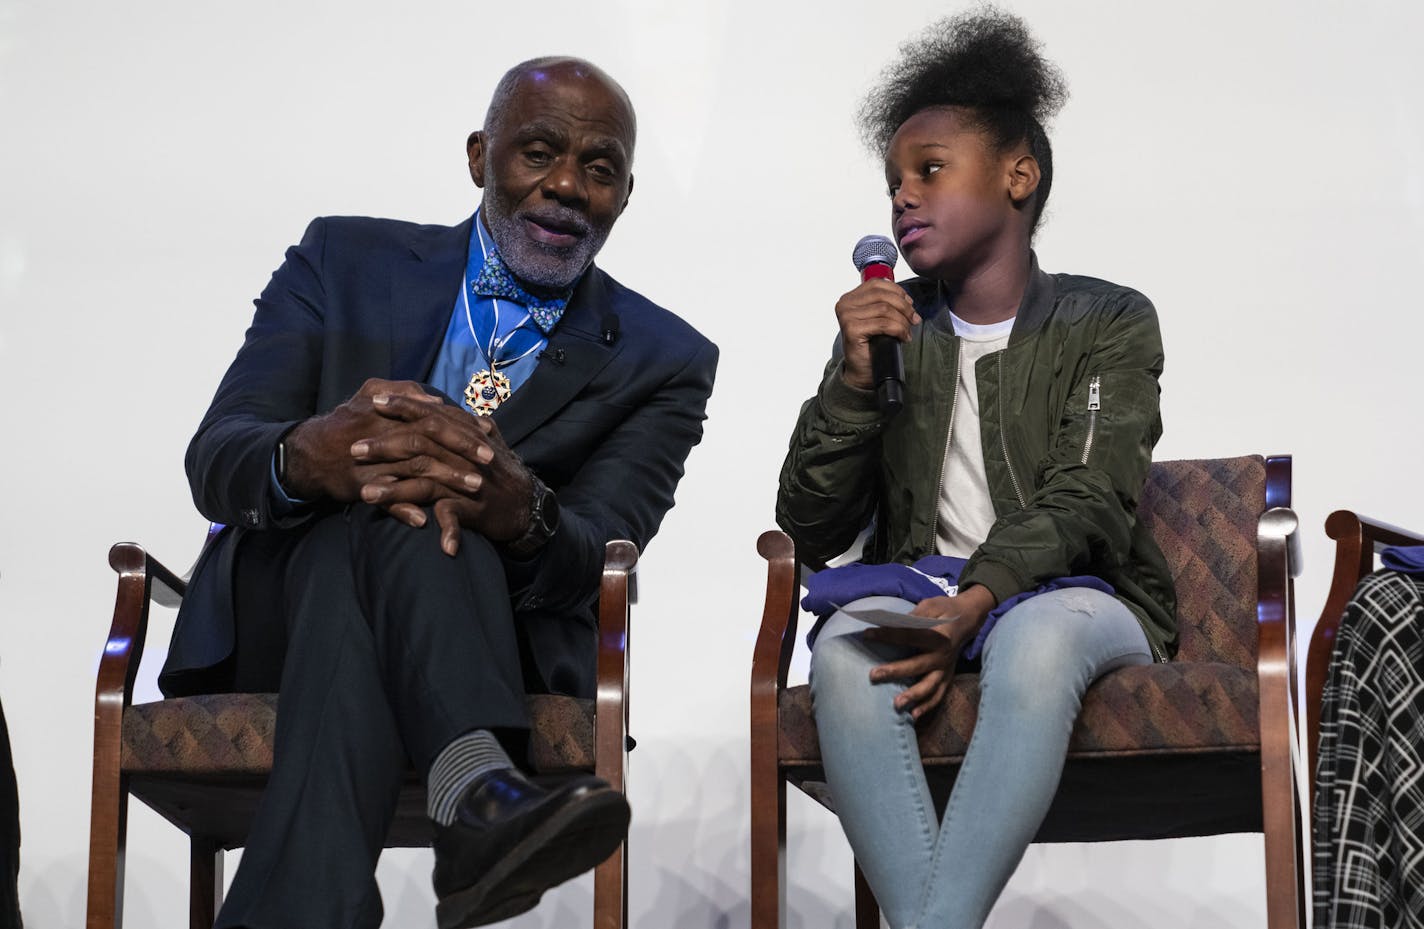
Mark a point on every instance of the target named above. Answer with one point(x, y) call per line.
point(486, 391)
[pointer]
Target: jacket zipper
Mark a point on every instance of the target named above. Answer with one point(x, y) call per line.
point(1094, 404)
point(948, 436)
point(1004, 438)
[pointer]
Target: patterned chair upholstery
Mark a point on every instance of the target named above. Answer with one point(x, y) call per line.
point(201, 762)
point(1159, 751)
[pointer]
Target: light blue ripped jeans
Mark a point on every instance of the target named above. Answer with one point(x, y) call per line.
point(1038, 660)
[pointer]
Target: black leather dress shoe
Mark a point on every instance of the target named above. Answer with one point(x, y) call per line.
point(512, 840)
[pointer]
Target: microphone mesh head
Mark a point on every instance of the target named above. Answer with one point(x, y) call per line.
point(874, 249)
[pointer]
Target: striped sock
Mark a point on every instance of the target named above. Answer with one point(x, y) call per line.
point(475, 753)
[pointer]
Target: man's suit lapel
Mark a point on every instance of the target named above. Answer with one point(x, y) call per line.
point(575, 353)
point(423, 292)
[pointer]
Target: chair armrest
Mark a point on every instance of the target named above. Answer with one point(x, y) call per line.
point(1358, 539)
point(142, 580)
point(776, 639)
point(118, 667)
point(166, 588)
point(616, 591)
point(1278, 562)
point(775, 643)
point(1380, 534)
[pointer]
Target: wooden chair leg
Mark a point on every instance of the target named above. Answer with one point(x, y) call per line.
point(867, 909)
point(610, 891)
point(1285, 864)
point(1280, 809)
point(113, 691)
point(776, 641)
point(611, 742)
point(768, 795)
point(108, 830)
point(205, 882)
point(1276, 678)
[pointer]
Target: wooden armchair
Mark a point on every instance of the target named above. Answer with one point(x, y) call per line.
point(1199, 746)
point(202, 761)
point(1358, 539)
point(1363, 791)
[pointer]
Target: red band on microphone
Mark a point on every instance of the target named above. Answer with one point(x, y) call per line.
point(877, 269)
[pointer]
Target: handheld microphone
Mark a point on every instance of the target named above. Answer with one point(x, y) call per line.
point(875, 256)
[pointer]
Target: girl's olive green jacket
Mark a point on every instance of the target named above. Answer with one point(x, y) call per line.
point(1068, 418)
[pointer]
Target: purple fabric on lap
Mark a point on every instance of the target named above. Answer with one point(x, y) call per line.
point(934, 576)
point(1406, 560)
point(831, 589)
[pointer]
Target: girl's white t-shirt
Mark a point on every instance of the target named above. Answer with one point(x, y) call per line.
point(966, 511)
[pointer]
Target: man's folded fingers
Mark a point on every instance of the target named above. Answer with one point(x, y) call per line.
point(420, 491)
point(460, 436)
point(447, 516)
point(448, 432)
point(408, 513)
point(408, 407)
point(413, 452)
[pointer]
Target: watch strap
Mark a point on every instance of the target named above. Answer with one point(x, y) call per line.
point(543, 521)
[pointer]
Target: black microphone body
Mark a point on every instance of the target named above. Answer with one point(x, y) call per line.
point(887, 370)
point(875, 256)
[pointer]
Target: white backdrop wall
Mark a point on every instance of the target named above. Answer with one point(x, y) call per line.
point(1256, 168)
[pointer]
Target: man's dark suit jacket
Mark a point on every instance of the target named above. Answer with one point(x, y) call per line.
point(607, 427)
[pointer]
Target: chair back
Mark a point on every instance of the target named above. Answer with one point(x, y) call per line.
point(1203, 515)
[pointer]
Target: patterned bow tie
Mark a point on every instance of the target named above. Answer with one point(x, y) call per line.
point(495, 280)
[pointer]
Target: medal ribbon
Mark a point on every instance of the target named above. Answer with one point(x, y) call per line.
point(490, 387)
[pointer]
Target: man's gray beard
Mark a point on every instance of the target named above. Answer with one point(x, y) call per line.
point(540, 266)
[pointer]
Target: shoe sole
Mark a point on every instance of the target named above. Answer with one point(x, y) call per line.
point(579, 837)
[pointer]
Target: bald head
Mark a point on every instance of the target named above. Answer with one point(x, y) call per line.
point(550, 68)
point(555, 162)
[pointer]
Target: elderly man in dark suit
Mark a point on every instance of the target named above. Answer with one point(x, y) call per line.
point(420, 451)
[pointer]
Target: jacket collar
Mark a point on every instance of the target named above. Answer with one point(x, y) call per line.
point(1037, 302)
point(1034, 308)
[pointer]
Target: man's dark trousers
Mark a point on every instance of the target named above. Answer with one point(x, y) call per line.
point(392, 649)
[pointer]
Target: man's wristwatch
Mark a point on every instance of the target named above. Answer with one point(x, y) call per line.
point(543, 521)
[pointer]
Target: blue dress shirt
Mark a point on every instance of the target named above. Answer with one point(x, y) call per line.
point(481, 326)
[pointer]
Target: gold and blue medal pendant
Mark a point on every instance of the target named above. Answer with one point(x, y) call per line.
point(486, 391)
